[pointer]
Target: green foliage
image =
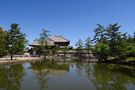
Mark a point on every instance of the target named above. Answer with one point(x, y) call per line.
point(43, 36)
point(88, 43)
point(43, 41)
point(79, 48)
point(131, 50)
point(79, 44)
point(101, 51)
point(54, 51)
point(114, 40)
point(88, 46)
point(3, 42)
point(131, 45)
point(16, 40)
point(46, 52)
point(100, 34)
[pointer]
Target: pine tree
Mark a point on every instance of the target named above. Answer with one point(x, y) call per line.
point(88, 45)
point(43, 42)
point(79, 48)
point(16, 40)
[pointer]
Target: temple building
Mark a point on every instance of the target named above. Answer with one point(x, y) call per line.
point(52, 41)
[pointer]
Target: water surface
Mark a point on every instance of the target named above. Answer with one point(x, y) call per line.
point(66, 76)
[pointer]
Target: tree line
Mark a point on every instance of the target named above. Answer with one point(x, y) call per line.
point(109, 43)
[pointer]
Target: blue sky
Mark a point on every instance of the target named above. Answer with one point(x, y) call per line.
point(73, 19)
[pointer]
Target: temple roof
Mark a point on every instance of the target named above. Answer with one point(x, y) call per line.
point(51, 40)
point(58, 39)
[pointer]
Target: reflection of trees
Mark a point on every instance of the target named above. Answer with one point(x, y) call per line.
point(40, 74)
point(102, 77)
point(49, 65)
point(43, 68)
point(109, 77)
point(79, 70)
point(88, 70)
point(84, 68)
point(11, 76)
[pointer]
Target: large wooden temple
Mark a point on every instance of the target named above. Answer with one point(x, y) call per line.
point(50, 42)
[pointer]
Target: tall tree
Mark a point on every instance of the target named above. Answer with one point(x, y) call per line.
point(112, 37)
point(101, 49)
point(43, 41)
point(3, 42)
point(16, 40)
point(79, 44)
point(79, 48)
point(43, 37)
point(116, 40)
point(88, 45)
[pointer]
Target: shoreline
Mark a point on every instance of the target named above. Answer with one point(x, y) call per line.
point(34, 59)
point(119, 62)
point(19, 60)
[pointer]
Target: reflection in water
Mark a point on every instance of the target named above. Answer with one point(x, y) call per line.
point(40, 74)
point(66, 76)
point(42, 69)
point(79, 69)
point(110, 77)
point(11, 76)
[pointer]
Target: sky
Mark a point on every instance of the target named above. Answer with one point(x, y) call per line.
point(73, 19)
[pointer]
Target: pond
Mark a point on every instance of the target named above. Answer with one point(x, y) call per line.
point(66, 76)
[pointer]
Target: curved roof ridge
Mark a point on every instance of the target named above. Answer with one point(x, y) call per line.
point(59, 38)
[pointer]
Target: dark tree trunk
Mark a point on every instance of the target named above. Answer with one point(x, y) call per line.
point(80, 57)
point(89, 55)
point(52, 60)
point(11, 56)
point(44, 57)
